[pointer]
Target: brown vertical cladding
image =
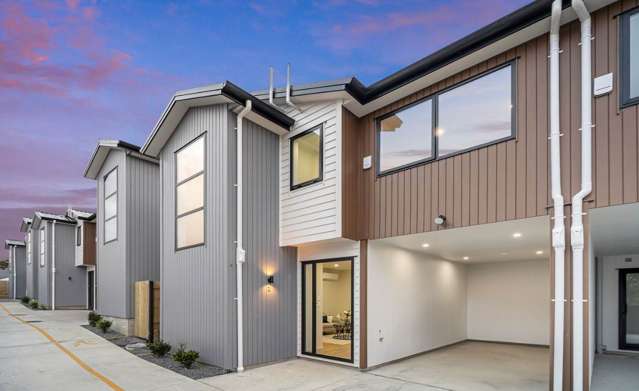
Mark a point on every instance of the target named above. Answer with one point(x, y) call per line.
point(89, 243)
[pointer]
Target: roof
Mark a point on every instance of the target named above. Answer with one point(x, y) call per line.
point(13, 242)
point(102, 151)
point(24, 225)
point(39, 216)
point(262, 113)
point(78, 214)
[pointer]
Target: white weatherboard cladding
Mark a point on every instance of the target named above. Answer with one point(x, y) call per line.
point(313, 212)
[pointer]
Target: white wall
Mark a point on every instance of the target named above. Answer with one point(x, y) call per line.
point(509, 302)
point(313, 213)
point(415, 304)
point(609, 267)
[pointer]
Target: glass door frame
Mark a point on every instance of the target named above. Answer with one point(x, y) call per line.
point(623, 310)
point(313, 351)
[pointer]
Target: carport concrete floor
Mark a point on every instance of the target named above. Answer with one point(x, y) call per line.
point(615, 372)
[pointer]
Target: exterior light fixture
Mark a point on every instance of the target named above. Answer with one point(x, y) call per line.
point(517, 235)
point(336, 265)
point(270, 280)
point(439, 220)
point(425, 245)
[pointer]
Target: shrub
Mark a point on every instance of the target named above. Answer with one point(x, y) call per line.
point(159, 348)
point(94, 319)
point(42, 307)
point(25, 300)
point(185, 357)
point(34, 304)
point(104, 325)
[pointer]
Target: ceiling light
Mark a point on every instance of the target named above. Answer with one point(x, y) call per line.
point(465, 258)
point(517, 235)
point(425, 245)
point(336, 265)
point(539, 252)
point(439, 132)
point(503, 253)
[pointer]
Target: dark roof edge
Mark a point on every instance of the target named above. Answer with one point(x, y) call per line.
point(260, 107)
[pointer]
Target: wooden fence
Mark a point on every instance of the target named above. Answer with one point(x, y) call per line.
point(4, 289)
point(147, 310)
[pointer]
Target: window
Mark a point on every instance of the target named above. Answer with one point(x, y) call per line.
point(306, 157)
point(111, 206)
point(29, 246)
point(473, 114)
point(43, 243)
point(78, 235)
point(629, 24)
point(189, 194)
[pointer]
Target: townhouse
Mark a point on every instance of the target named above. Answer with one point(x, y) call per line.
point(85, 252)
point(128, 228)
point(31, 243)
point(17, 268)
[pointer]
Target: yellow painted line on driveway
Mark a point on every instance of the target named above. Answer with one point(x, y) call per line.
point(69, 353)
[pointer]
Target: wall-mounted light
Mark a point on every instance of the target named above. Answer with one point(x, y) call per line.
point(439, 220)
point(270, 280)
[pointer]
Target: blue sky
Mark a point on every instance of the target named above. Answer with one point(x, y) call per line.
point(73, 72)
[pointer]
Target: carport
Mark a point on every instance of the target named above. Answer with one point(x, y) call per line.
point(463, 308)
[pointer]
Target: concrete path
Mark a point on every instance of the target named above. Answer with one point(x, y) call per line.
point(615, 372)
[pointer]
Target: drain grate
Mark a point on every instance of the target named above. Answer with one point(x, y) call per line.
point(34, 321)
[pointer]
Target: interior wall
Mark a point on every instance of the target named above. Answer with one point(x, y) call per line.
point(415, 303)
point(337, 293)
point(609, 267)
point(509, 301)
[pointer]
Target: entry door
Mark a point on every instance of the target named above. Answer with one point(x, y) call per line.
point(327, 304)
point(629, 309)
point(90, 282)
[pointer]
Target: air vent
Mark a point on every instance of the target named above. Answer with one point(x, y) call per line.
point(628, 260)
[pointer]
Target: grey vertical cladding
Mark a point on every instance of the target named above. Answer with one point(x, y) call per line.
point(142, 220)
point(20, 270)
point(196, 302)
point(269, 316)
point(70, 280)
point(111, 257)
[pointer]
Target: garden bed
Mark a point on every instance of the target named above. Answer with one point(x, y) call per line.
point(197, 371)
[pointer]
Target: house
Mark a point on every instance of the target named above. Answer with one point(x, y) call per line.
point(61, 284)
point(31, 246)
point(17, 268)
point(481, 203)
point(127, 224)
point(85, 254)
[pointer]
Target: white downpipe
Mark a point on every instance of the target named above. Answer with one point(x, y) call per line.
point(577, 229)
point(558, 231)
point(240, 254)
point(53, 266)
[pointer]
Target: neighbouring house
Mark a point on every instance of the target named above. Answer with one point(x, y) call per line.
point(61, 284)
point(31, 247)
point(85, 254)
point(475, 195)
point(17, 268)
point(127, 224)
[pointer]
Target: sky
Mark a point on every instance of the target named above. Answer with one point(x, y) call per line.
point(74, 72)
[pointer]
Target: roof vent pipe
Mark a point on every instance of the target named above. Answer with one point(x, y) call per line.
point(271, 91)
point(577, 229)
point(558, 231)
point(240, 254)
point(288, 87)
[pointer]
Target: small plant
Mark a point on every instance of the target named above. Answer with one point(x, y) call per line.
point(104, 325)
point(185, 357)
point(42, 307)
point(25, 300)
point(159, 348)
point(34, 304)
point(94, 319)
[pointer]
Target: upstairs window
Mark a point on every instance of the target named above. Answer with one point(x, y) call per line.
point(43, 243)
point(29, 247)
point(78, 235)
point(189, 194)
point(306, 157)
point(473, 114)
point(111, 206)
point(629, 45)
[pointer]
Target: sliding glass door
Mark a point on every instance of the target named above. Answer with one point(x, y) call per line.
point(327, 309)
point(629, 309)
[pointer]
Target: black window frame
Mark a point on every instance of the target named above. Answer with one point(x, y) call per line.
point(435, 121)
point(177, 216)
point(320, 177)
point(117, 205)
point(624, 59)
point(78, 236)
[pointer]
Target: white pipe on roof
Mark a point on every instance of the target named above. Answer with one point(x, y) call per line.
point(558, 231)
point(240, 254)
point(577, 229)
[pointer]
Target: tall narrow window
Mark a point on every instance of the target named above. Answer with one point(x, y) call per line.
point(629, 44)
point(43, 243)
point(78, 235)
point(29, 246)
point(306, 157)
point(189, 193)
point(111, 206)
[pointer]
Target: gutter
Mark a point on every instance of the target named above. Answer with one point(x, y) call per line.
point(558, 231)
point(577, 229)
point(240, 253)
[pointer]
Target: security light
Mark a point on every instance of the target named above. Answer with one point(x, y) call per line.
point(439, 220)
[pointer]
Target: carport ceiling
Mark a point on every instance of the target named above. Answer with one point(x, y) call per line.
point(615, 229)
point(506, 241)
